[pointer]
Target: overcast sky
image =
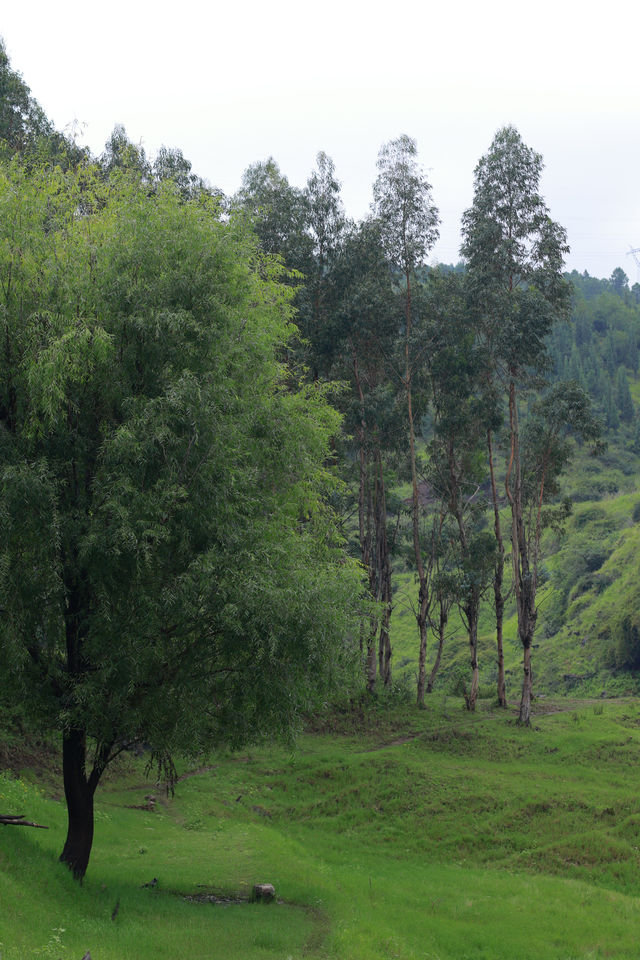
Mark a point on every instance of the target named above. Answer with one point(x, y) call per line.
point(234, 84)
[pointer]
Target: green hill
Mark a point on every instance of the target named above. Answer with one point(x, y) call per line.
point(394, 834)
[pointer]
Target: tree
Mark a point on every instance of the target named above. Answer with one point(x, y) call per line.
point(169, 570)
point(619, 281)
point(623, 396)
point(121, 154)
point(24, 126)
point(402, 203)
point(326, 226)
point(514, 253)
point(171, 164)
point(443, 593)
point(278, 213)
point(359, 335)
point(558, 420)
point(463, 412)
point(22, 120)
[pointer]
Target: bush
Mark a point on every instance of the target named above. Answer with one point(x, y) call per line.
point(627, 637)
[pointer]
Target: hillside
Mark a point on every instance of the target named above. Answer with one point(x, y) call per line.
point(399, 834)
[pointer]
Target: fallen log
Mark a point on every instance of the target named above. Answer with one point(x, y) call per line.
point(18, 820)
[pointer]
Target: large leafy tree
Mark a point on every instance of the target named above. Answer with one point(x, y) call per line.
point(169, 572)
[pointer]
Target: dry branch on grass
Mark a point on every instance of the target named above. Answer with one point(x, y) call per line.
point(18, 820)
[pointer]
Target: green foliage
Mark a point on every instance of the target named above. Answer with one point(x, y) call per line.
point(514, 252)
point(277, 212)
point(171, 164)
point(169, 569)
point(600, 347)
point(121, 154)
point(24, 126)
point(403, 205)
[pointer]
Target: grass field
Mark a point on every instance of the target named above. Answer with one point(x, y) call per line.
point(388, 834)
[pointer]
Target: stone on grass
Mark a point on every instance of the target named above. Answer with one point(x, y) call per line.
point(264, 892)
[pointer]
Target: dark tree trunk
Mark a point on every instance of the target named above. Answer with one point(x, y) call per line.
point(471, 613)
point(499, 602)
point(527, 616)
point(383, 563)
point(78, 791)
point(385, 653)
point(423, 601)
point(527, 684)
point(372, 662)
point(498, 578)
point(422, 668)
point(525, 578)
point(436, 666)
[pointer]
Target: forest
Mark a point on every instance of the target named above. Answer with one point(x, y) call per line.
point(269, 473)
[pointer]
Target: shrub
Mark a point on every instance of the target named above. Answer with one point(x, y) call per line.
point(627, 637)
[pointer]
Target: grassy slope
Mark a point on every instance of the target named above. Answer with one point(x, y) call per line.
point(422, 835)
point(590, 574)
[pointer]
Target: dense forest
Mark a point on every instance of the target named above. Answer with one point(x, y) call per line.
point(251, 448)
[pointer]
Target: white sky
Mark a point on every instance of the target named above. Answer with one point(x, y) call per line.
point(232, 84)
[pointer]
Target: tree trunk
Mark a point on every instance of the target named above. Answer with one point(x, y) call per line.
point(525, 702)
point(415, 500)
point(436, 666)
point(525, 584)
point(383, 563)
point(371, 666)
point(471, 698)
point(422, 659)
point(385, 656)
point(498, 578)
point(502, 688)
point(78, 791)
point(365, 519)
point(374, 589)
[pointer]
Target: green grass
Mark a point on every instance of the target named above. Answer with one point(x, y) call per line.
point(404, 834)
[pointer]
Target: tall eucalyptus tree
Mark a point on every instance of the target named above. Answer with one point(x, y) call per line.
point(462, 410)
point(514, 253)
point(408, 218)
point(362, 329)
